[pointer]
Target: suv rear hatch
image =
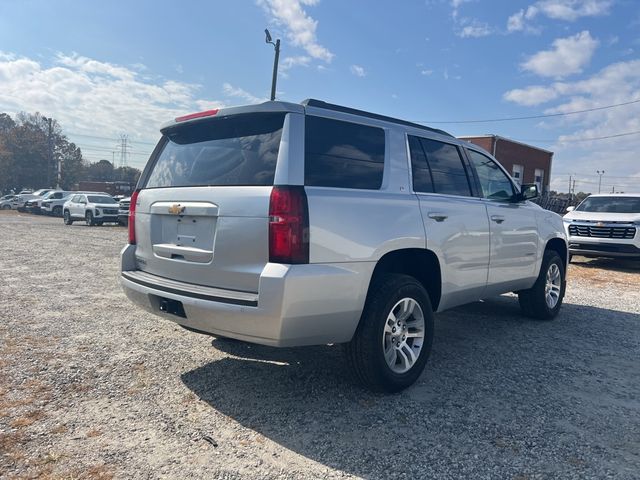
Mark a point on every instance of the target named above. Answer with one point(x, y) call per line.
point(202, 214)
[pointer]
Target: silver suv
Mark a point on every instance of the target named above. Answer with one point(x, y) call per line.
point(286, 225)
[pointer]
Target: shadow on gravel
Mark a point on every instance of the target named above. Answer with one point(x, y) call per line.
point(502, 396)
point(618, 265)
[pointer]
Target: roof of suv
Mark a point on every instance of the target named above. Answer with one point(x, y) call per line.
point(277, 106)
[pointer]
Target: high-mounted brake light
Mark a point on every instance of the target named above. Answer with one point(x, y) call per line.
point(132, 217)
point(288, 225)
point(191, 116)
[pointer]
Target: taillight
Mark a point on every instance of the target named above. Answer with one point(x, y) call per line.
point(288, 225)
point(132, 217)
point(191, 116)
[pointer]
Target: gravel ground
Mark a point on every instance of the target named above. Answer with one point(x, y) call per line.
point(92, 387)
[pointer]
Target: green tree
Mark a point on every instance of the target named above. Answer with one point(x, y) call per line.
point(30, 148)
point(126, 174)
point(101, 171)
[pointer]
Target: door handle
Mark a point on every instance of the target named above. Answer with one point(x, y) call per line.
point(438, 217)
point(497, 218)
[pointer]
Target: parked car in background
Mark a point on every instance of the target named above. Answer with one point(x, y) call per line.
point(287, 225)
point(93, 208)
point(52, 202)
point(22, 199)
point(6, 202)
point(35, 204)
point(605, 225)
point(123, 211)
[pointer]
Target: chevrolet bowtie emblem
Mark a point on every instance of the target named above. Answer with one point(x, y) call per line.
point(176, 209)
point(600, 224)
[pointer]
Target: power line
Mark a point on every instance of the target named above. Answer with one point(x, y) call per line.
point(587, 139)
point(531, 117)
point(109, 138)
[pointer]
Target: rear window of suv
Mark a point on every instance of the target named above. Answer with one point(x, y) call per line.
point(229, 151)
point(343, 154)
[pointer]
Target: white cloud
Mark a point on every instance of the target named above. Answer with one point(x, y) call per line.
point(301, 28)
point(358, 71)
point(568, 56)
point(95, 98)
point(289, 62)
point(231, 91)
point(530, 96)
point(566, 10)
point(571, 10)
point(455, 7)
point(426, 72)
point(615, 84)
point(472, 28)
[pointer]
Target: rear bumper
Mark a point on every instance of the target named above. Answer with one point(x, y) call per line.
point(295, 304)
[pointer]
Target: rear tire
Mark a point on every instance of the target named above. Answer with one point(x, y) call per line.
point(57, 211)
point(544, 299)
point(6, 207)
point(393, 341)
point(67, 218)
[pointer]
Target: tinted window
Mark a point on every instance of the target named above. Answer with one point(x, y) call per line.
point(447, 170)
point(238, 150)
point(494, 182)
point(610, 204)
point(342, 154)
point(422, 181)
point(76, 198)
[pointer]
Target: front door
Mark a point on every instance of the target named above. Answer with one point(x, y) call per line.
point(513, 226)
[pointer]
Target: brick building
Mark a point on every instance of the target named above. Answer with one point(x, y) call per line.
point(525, 163)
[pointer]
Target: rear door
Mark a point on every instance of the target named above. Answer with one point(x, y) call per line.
point(202, 215)
point(456, 223)
point(513, 225)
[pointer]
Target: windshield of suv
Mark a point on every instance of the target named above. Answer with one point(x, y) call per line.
point(100, 199)
point(610, 205)
point(238, 150)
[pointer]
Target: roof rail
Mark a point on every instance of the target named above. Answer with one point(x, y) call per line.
point(311, 102)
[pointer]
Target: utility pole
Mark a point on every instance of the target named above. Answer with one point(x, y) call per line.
point(123, 150)
point(600, 179)
point(570, 196)
point(50, 164)
point(574, 187)
point(274, 79)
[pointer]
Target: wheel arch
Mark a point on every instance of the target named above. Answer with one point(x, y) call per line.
point(559, 245)
point(420, 263)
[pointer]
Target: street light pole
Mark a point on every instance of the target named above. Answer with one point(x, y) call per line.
point(600, 179)
point(276, 58)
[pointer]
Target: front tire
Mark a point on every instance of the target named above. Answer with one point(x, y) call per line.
point(88, 218)
point(393, 341)
point(67, 218)
point(544, 299)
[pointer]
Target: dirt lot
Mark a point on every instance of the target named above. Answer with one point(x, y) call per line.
point(91, 387)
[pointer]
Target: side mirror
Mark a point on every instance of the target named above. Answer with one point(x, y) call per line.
point(528, 191)
point(570, 209)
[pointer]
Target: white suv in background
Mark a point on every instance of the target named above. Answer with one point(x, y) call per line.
point(287, 225)
point(93, 208)
point(605, 225)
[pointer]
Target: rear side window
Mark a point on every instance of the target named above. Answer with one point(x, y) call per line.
point(422, 181)
point(236, 150)
point(343, 154)
point(448, 173)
